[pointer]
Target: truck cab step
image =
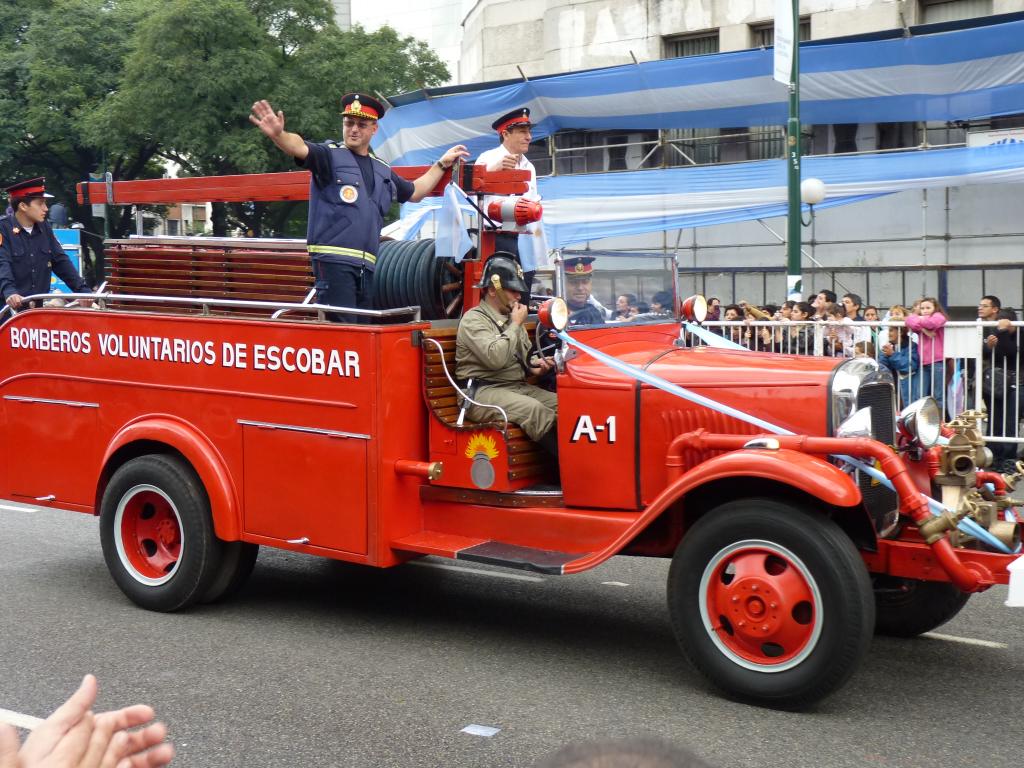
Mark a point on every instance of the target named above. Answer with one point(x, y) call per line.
point(487, 551)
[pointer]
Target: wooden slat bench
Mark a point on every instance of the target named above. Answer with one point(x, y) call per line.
point(241, 270)
point(522, 462)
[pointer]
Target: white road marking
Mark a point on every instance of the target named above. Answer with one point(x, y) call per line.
point(19, 720)
point(965, 640)
point(480, 730)
point(615, 583)
point(477, 571)
point(19, 507)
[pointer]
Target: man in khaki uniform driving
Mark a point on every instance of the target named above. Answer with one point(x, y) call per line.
point(493, 349)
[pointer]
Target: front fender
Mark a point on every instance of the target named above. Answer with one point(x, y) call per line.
point(200, 453)
point(805, 472)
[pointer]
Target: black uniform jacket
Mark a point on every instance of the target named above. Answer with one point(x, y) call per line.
point(26, 260)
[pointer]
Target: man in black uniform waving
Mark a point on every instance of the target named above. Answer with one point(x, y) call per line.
point(349, 195)
point(29, 252)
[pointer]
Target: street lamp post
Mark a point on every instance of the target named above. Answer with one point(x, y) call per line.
point(794, 280)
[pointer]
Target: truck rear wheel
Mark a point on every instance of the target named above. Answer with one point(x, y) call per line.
point(907, 607)
point(236, 565)
point(157, 534)
point(771, 603)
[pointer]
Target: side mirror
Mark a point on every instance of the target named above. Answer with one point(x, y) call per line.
point(694, 309)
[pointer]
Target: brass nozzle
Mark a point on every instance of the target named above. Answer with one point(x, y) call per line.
point(934, 529)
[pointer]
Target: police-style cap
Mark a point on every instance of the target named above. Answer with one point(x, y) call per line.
point(360, 105)
point(511, 119)
point(579, 266)
point(26, 190)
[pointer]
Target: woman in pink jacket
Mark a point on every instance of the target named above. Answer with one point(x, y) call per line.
point(928, 324)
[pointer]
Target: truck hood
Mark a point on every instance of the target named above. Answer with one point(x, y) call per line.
point(789, 391)
point(702, 367)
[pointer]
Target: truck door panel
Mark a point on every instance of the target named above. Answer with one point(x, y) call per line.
point(306, 483)
point(58, 448)
point(597, 457)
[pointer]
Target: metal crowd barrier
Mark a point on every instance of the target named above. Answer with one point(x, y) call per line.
point(973, 374)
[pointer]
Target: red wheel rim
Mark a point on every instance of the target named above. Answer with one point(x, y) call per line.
point(761, 606)
point(147, 528)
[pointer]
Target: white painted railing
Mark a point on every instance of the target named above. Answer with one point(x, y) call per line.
point(980, 368)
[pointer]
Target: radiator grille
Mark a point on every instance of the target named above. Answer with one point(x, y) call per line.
point(881, 502)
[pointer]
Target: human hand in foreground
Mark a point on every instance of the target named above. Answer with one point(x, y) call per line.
point(73, 737)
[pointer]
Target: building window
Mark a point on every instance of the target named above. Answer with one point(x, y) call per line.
point(937, 11)
point(539, 155)
point(691, 45)
point(766, 142)
point(616, 152)
point(172, 227)
point(691, 146)
point(599, 151)
point(764, 34)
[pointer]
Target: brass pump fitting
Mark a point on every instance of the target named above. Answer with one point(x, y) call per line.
point(1006, 532)
point(965, 451)
point(1014, 477)
point(936, 527)
point(987, 514)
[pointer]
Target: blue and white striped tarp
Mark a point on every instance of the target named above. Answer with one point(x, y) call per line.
point(956, 75)
point(594, 206)
point(589, 207)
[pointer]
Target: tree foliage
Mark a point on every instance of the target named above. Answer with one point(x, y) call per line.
point(61, 65)
point(127, 84)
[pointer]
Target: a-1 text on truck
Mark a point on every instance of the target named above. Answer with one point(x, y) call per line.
point(211, 407)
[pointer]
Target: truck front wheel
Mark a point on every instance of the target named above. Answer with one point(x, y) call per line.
point(157, 534)
point(772, 603)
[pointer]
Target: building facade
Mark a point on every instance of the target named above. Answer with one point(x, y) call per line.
point(957, 243)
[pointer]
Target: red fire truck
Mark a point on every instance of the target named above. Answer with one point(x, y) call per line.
point(211, 408)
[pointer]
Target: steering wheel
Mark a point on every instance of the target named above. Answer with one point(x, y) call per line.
point(542, 332)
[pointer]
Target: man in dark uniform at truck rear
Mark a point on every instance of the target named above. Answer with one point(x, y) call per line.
point(579, 271)
point(493, 349)
point(29, 252)
point(350, 193)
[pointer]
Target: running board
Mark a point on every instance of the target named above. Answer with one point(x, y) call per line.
point(487, 551)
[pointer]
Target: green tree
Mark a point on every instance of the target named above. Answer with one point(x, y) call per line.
point(62, 61)
point(123, 84)
point(198, 65)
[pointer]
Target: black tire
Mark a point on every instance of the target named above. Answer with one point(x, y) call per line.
point(157, 533)
point(757, 560)
point(907, 607)
point(239, 558)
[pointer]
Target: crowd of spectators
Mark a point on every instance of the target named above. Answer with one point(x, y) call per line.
point(910, 342)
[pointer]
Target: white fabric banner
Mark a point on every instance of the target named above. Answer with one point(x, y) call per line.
point(783, 41)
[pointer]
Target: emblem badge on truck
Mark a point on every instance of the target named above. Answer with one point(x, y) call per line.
point(481, 449)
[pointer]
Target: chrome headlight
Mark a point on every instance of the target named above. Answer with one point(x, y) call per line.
point(857, 425)
point(921, 422)
point(846, 381)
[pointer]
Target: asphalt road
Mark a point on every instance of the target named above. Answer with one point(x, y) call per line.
point(317, 663)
